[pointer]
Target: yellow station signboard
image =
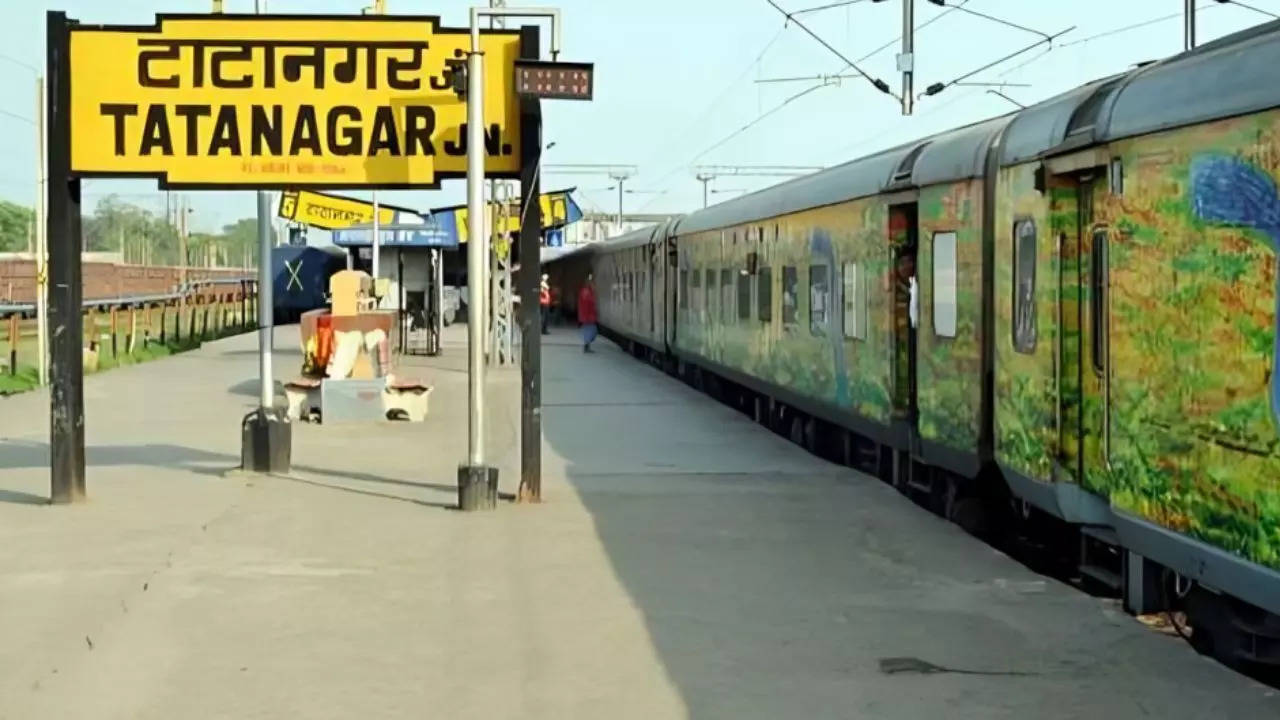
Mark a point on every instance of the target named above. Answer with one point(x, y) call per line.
point(285, 101)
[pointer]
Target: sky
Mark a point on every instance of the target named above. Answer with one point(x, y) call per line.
point(677, 81)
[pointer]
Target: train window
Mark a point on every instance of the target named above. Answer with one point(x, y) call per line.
point(711, 294)
point(695, 291)
point(855, 302)
point(684, 289)
point(726, 295)
point(944, 284)
point(1024, 285)
point(744, 296)
point(764, 294)
point(1098, 273)
point(790, 295)
point(819, 296)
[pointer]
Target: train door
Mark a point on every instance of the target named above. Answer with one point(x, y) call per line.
point(672, 293)
point(1081, 363)
point(903, 243)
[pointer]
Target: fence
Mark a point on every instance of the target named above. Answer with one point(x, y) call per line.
point(126, 329)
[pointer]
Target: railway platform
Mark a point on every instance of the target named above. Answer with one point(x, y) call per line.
point(684, 563)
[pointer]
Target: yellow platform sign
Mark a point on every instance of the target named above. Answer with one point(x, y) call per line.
point(555, 212)
point(286, 101)
point(331, 212)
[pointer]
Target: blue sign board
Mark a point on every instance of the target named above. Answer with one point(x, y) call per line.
point(428, 235)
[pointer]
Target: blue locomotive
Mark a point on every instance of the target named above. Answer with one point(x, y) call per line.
point(300, 279)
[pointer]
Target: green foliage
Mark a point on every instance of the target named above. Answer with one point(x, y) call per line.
point(23, 380)
point(144, 236)
point(15, 226)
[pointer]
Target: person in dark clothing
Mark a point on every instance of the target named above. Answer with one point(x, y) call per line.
point(587, 313)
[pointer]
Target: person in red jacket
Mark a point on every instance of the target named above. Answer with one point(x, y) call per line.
point(587, 313)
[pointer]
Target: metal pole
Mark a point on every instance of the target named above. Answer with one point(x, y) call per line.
point(379, 8)
point(529, 277)
point(1189, 24)
point(182, 256)
point(267, 387)
point(42, 268)
point(477, 246)
point(906, 62)
point(66, 360)
point(377, 242)
point(620, 182)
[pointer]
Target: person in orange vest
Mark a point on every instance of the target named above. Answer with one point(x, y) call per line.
point(544, 299)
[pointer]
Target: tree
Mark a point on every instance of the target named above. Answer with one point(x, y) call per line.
point(143, 236)
point(15, 226)
point(240, 239)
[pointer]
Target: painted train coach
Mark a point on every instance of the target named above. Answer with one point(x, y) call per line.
point(1061, 322)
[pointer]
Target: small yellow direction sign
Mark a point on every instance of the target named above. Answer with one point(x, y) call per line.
point(331, 212)
point(555, 213)
point(286, 101)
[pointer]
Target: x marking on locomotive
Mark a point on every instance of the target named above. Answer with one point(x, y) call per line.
point(294, 269)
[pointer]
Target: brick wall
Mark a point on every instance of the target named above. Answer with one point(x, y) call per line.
point(103, 280)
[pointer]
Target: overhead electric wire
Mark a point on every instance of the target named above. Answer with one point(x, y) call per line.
point(721, 142)
point(1249, 7)
point(939, 107)
point(746, 71)
point(848, 65)
point(992, 18)
point(939, 87)
point(829, 6)
point(712, 106)
point(950, 9)
point(877, 83)
point(1135, 26)
point(16, 116)
point(1006, 97)
point(757, 119)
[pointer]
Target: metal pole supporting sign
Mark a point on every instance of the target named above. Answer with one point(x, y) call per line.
point(266, 435)
point(477, 482)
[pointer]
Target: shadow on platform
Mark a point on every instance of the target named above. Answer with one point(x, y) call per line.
point(776, 587)
point(249, 388)
point(24, 454)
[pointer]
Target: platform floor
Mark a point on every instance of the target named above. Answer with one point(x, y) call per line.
point(686, 563)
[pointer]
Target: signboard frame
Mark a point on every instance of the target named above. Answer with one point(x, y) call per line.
point(509, 148)
point(63, 196)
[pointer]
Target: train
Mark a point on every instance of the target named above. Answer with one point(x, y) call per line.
point(300, 279)
point(1056, 327)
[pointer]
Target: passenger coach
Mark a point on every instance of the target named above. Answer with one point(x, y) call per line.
point(1061, 323)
